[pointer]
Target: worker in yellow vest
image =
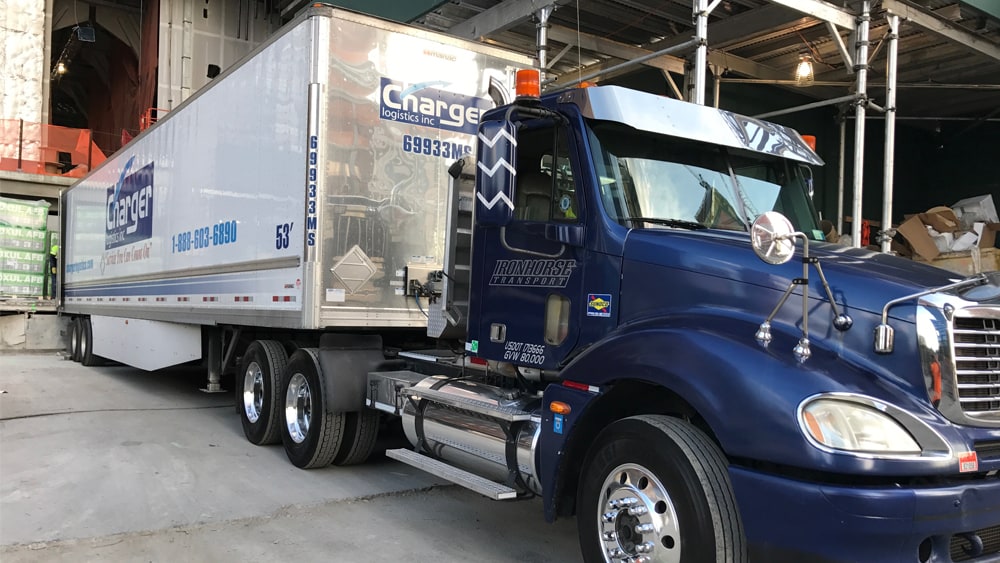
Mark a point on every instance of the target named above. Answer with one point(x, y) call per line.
point(54, 270)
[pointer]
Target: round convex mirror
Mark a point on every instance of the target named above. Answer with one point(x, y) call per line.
point(772, 237)
point(982, 293)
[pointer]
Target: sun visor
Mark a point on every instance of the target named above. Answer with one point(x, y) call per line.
point(659, 114)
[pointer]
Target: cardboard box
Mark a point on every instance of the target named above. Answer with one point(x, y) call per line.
point(915, 233)
point(988, 239)
point(942, 218)
point(976, 209)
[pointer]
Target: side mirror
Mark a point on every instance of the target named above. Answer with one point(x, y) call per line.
point(495, 173)
point(773, 238)
point(807, 175)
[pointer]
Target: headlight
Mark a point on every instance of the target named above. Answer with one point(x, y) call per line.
point(855, 427)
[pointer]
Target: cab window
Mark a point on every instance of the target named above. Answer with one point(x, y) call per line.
point(545, 188)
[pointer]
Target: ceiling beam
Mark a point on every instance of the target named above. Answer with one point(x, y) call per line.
point(740, 27)
point(614, 48)
point(933, 23)
point(752, 23)
point(501, 17)
point(746, 67)
point(739, 65)
point(678, 15)
point(822, 10)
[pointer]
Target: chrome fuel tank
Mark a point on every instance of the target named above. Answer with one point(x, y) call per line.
point(476, 442)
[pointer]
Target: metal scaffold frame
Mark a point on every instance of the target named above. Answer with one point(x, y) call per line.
point(835, 18)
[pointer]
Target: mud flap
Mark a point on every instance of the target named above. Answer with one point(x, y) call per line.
point(346, 360)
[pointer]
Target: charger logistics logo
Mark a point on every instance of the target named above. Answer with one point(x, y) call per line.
point(130, 207)
point(421, 104)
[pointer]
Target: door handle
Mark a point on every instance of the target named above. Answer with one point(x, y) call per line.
point(571, 235)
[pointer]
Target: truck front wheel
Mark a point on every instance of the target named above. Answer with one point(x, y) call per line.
point(311, 434)
point(259, 395)
point(657, 489)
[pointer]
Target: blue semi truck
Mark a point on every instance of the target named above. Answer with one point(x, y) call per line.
point(672, 397)
point(618, 302)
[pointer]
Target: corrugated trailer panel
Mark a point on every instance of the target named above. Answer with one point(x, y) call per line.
point(402, 105)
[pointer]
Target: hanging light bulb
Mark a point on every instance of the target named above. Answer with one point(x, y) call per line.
point(61, 68)
point(804, 70)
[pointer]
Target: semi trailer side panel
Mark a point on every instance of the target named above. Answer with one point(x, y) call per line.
point(301, 189)
point(183, 223)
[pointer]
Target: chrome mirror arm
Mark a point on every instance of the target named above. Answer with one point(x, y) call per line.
point(885, 335)
point(841, 322)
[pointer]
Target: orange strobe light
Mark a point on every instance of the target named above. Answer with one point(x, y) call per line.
point(527, 84)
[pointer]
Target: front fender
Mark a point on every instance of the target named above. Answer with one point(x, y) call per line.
point(749, 395)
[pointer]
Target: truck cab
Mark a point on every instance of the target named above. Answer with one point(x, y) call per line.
point(684, 405)
point(589, 178)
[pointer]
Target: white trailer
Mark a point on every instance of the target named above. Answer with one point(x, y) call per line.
point(295, 193)
point(298, 202)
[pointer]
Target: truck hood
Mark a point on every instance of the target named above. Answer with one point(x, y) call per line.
point(860, 279)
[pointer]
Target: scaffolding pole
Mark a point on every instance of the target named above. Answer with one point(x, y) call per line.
point(542, 31)
point(886, 231)
point(701, 53)
point(861, 68)
point(716, 73)
point(840, 173)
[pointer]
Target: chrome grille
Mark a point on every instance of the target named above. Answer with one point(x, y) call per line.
point(977, 363)
point(966, 547)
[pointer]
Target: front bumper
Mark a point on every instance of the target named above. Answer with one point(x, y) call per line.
point(790, 520)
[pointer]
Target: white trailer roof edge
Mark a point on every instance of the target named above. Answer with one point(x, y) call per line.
point(334, 13)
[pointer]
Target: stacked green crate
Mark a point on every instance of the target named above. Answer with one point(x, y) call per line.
point(23, 254)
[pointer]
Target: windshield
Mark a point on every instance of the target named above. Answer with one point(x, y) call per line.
point(649, 180)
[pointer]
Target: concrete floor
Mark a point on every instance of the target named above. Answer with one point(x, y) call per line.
point(115, 464)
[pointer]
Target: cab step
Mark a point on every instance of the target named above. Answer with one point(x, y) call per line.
point(471, 481)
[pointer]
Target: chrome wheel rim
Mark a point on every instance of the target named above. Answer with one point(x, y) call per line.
point(253, 392)
point(636, 518)
point(298, 408)
point(74, 338)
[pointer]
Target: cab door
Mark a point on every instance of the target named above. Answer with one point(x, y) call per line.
point(527, 302)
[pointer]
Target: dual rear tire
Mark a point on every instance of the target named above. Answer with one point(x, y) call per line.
point(257, 393)
point(313, 435)
point(81, 342)
point(283, 399)
point(75, 333)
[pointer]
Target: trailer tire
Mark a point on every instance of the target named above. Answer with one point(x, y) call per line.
point(258, 393)
point(360, 435)
point(74, 339)
point(311, 434)
point(665, 475)
point(87, 356)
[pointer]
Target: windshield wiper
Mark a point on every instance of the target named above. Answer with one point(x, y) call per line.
point(667, 222)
